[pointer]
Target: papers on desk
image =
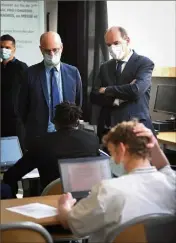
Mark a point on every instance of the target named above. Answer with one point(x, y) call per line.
point(35, 210)
point(33, 174)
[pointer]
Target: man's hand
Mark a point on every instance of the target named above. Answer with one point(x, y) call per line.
point(65, 204)
point(158, 158)
point(102, 90)
point(142, 131)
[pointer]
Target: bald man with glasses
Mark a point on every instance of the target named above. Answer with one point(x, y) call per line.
point(47, 84)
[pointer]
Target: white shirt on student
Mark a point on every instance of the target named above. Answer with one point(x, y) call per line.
point(116, 201)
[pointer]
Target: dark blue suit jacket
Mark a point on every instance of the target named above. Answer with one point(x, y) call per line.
point(136, 95)
point(34, 100)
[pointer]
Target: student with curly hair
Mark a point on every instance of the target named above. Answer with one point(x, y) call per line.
point(44, 152)
point(145, 189)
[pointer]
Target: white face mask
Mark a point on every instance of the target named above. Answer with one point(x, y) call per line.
point(52, 60)
point(5, 53)
point(117, 51)
point(117, 168)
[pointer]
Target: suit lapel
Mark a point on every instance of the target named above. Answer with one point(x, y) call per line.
point(42, 77)
point(64, 82)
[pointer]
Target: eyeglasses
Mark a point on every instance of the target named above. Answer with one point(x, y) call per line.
point(54, 50)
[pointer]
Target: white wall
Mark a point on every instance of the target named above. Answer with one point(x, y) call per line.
point(52, 8)
point(151, 27)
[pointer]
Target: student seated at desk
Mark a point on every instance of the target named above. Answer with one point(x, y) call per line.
point(67, 142)
point(143, 190)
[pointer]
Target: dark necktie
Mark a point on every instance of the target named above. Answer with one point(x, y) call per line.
point(54, 93)
point(118, 70)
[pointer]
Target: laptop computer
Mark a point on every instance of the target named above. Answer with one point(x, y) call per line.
point(78, 175)
point(10, 152)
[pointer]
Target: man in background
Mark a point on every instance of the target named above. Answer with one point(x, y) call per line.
point(122, 88)
point(11, 77)
point(45, 85)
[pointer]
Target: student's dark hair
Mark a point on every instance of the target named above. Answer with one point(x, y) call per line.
point(8, 38)
point(67, 114)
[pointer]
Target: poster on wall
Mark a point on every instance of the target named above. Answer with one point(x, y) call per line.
point(24, 20)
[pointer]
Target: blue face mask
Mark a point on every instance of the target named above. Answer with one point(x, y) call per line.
point(117, 168)
point(5, 53)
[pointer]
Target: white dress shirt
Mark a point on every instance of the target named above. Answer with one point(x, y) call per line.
point(116, 201)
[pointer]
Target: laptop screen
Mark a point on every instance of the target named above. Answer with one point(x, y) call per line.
point(81, 174)
point(10, 149)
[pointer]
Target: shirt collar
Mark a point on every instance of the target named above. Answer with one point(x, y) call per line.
point(144, 170)
point(48, 68)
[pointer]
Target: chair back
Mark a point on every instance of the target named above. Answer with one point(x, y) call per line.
point(151, 228)
point(134, 233)
point(53, 188)
point(24, 232)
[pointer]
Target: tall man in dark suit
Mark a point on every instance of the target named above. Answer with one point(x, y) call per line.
point(122, 88)
point(47, 84)
point(67, 142)
point(12, 71)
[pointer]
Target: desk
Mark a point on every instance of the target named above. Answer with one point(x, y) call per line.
point(167, 140)
point(9, 217)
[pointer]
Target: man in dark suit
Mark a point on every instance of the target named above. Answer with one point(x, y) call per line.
point(47, 84)
point(122, 88)
point(12, 71)
point(67, 142)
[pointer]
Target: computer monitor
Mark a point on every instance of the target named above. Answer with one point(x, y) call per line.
point(165, 100)
point(80, 174)
point(10, 151)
